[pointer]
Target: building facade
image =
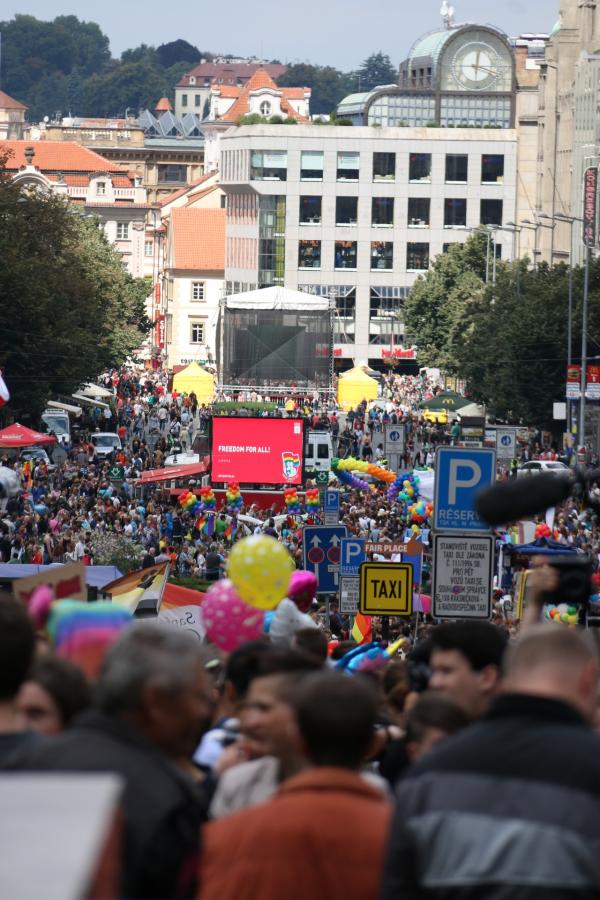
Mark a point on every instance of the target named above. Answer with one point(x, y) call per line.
point(192, 92)
point(358, 214)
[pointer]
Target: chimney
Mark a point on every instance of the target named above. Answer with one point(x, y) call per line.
point(29, 153)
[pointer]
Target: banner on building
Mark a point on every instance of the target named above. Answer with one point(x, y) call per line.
point(592, 389)
point(157, 294)
point(159, 337)
point(573, 382)
point(590, 199)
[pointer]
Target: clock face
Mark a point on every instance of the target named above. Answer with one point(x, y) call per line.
point(476, 66)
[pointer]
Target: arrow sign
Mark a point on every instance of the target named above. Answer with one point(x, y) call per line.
point(322, 554)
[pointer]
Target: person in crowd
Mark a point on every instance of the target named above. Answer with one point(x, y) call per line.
point(311, 641)
point(433, 718)
point(152, 703)
point(53, 695)
point(323, 835)
point(17, 648)
point(509, 807)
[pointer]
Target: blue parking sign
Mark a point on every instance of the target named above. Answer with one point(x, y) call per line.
point(352, 555)
point(459, 474)
point(322, 554)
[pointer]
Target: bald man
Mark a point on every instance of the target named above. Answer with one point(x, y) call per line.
point(509, 809)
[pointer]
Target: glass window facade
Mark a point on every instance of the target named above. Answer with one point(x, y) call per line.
point(465, 109)
point(418, 212)
point(492, 168)
point(384, 167)
point(457, 167)
point(417, 257)
point(402, 109)
point(419, 167)
point(268, 165)
point(382, 255)
point(346, 210)
point(271, 244)
point(491, 212)
point(309, 254)
point(311, 165)
point(382, 212)
point(348, 166)
point(455, 213)
point(310, 210)
point(345, 254)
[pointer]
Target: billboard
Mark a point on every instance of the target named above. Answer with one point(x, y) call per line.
point(257, 451)
point(590, 201)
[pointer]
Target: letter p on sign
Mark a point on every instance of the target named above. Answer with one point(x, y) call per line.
point(464, 474)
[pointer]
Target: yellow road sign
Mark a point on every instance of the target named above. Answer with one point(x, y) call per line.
point(386, 589)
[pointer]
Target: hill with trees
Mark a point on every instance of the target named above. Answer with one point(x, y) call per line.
point(65, 67)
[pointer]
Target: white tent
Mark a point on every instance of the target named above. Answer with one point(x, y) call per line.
point(277, 298)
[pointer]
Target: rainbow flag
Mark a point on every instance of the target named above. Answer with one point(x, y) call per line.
point(200, 522)
point(231, 529)
point(362, 629)
point(143, 588)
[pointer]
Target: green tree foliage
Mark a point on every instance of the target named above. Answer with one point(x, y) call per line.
point(74, 310)
point(179, 51)
point(376, 70)
point(507, 340)
point(329, 86)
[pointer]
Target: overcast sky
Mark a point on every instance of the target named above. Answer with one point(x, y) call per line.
point(329, 32)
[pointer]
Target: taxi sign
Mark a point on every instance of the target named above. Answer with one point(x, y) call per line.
point(386, 589)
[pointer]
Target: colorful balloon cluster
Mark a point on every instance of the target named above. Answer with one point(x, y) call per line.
point(361, 465)
point(207, 498)
point(420, 512)
point(312, 498)
point(542, 530)
point(233, 496)
point(292, 501)
point(260, 569)
point(187, 500)
point(404, 488)
point(564, 613)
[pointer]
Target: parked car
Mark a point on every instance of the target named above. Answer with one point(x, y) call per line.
point(37, 455)
point(534, 466)
point(106, 443)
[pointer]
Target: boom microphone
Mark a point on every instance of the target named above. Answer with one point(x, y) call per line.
point(522, 497)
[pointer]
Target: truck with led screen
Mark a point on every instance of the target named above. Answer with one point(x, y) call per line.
point(257, 450)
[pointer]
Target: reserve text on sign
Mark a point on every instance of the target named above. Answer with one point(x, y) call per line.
point(462, 576)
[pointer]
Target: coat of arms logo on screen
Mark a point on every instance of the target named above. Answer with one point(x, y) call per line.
point(291, 465)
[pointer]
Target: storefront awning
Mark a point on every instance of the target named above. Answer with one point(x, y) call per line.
point(170, 473)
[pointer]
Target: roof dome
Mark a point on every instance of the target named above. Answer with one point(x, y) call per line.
point(557, 27)
point(431, 44)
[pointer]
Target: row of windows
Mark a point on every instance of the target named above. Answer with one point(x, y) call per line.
point(272, 165)
point(197, 99)
point(381, 255)
point(382, 211)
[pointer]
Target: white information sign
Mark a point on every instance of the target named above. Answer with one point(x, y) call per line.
point(462, 576)
point(349, 594)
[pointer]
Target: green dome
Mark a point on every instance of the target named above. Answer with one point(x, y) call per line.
point(557, 27)
point(431, 45)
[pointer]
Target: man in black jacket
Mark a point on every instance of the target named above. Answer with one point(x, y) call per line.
point(510, 808)
point(152, 707)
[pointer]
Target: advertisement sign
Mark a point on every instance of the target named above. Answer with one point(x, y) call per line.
point(159, 332)
point(573, 382)
point(259, 451)
point(462, 576)
point(590, 195)
point(592, 389)
point(386, 589)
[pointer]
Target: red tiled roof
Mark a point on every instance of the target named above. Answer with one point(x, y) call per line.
point(197, 195)
point(198, 239)
point(184, 190)
point(261, 80)
point(7, 102)
point(58, 156)
point(230, 72)
point(163, 105)
point(120, 181)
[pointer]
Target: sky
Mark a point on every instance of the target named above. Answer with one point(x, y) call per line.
point(340, 33)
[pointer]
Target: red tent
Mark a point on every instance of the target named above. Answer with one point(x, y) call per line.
point(19, 436)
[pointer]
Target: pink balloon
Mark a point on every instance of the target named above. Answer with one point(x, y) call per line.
point(229, 622)
point(302, 589)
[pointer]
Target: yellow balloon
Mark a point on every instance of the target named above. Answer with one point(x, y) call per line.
point(260, 568)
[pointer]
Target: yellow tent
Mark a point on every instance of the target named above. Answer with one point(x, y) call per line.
point(195, 378)
point(355, 386)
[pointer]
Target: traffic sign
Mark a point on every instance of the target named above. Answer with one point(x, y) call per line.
point(386, 589)
point(116, 472)
point(459, 474)
point(331, 507)
point(322, 554)
point(462, 576)
point(349, 594)
point(506, 443)
point(322, 478)
point(394, 439)
point(352, 555)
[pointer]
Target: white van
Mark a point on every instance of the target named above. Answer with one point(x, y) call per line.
point(57, 420)
point(319, 452)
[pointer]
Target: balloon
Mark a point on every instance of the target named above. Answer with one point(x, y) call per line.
point(287, 621)
point(260, 569)
point(229, 622)
point(302, 589)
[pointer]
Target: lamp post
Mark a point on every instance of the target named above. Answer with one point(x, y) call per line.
point(527, 223)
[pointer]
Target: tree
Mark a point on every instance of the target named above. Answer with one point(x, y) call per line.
point(176, 52)
point(376, 70)
point(329, 86)
point(74, 310)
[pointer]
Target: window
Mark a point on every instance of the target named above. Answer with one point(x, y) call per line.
point(310, 210)
point(457, 168)
point(265, 108)
point(417, 257)
point(311, 165)
point(197, 99)
point(148, 248)
point(455, 213)
point(196, 332)
point(492, 168)
point(100, 188)
point(198, 290)
point(268, 165)
point(346, 210)
point(382, 212)
point(418, 212)
point(172, 174)
point(348, 166)
point(309, 254)
point(345, 254)
point(491, 212)
point(382, 255)
point(384, 167)
point(122, 231)
point(184, 98)
point(419, 167)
